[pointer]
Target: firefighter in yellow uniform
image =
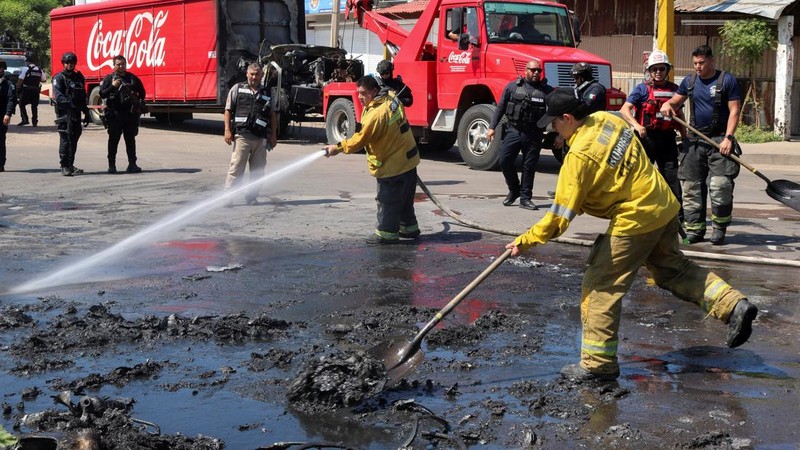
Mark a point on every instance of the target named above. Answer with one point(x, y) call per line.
point(392, 157)
point(607, 174)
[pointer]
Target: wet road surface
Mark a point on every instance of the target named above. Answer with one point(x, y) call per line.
point(496, 386)
point(214, 353)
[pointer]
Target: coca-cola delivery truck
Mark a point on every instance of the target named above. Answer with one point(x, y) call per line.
point(188, 53)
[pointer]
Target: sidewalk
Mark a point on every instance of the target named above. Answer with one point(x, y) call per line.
point(782, 153)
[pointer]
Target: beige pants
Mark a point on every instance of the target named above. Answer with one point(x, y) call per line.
point(613, 263)
point(247, 150)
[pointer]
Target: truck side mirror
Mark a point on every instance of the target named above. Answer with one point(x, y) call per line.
point(463, 41)
point(576, 26)
point(457, 20)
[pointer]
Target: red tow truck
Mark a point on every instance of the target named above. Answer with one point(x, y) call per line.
point(458, 78)
point(188, 53)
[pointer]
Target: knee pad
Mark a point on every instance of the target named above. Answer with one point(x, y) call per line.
point(721, 190)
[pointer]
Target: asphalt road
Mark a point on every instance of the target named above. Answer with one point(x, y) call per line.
point(325, 207)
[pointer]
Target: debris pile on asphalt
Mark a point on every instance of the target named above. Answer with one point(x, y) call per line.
point(95, 423)
point(336, 381)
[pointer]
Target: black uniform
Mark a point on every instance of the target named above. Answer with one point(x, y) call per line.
point(31, 85)
point(8, 103)
point(592, 94)
point(124, 106)
point(522, 103)
point(69, 90)
point(402, 91)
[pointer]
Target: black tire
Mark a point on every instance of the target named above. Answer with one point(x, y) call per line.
point(284, 117)
point(475, 149)
point(94, 100)
point(340, 121)
point(438, 141)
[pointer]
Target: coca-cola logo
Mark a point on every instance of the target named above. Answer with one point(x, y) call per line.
point(140, 48)
point(459, 58)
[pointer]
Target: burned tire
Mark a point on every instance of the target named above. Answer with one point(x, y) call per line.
point(474, 146)
point(94, 100)
point(438, 141)
point(340, 122)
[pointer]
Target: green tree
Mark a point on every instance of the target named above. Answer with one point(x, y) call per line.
point(745, 42)
point(29, 22)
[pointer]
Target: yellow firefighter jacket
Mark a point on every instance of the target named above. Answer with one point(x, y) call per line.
point(391, 148)
point(606, 174)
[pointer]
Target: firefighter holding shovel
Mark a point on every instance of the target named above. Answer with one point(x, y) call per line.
point(607, 174)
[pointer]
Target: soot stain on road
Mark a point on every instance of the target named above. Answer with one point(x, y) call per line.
point(489, 375)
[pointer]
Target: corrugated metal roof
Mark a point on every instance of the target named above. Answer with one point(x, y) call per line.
point(770, 9)
point(412, 7)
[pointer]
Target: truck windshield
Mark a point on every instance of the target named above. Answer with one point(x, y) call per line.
point(528, 24)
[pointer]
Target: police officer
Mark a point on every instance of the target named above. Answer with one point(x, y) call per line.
point(590, 92)
point(642, 111)
point(387, 82)
point(714, 104)
point(522, 104)
point(124, 94)
point(69, 90)
point(8, 102)
point(251, 124)
point(587, 89)
point(28, 86)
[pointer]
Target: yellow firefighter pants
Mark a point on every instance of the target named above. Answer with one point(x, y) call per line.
point(612, 265)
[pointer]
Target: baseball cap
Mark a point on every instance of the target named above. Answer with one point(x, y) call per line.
point(558, 102)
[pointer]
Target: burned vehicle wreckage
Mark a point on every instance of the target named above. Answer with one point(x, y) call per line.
point(302, 71)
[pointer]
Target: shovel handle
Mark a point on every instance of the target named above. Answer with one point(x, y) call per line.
point(458, 298)
point(716, 145)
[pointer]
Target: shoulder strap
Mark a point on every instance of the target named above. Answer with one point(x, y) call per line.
point(690, 94)
point(719, 93)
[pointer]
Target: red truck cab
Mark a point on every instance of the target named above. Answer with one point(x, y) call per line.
point(458, 78)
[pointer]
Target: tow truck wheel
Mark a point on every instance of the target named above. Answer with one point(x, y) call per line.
point(340, 122)
point(475, 148)
point(94, 100)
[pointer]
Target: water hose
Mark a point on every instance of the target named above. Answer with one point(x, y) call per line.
point(585, 243)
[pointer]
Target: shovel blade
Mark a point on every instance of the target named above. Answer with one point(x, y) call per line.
point(399, 358)
point(786, 192)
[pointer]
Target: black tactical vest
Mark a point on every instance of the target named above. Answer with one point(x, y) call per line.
point(253, 111)
point(33, 77)
point(526, 106)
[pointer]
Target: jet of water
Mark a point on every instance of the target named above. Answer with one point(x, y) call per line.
point(80, 269)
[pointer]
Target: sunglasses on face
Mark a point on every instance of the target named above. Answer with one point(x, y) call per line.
point(658, 69)
point(533, 69)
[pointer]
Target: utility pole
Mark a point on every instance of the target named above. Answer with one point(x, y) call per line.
point(335, 24)
point(664, 38)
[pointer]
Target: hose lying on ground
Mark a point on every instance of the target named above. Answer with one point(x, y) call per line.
point(585, 243)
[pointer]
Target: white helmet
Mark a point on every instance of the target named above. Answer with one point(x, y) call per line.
point(658, 57)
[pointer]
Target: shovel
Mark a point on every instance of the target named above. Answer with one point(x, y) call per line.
point(784, 191)
point(400, 356)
